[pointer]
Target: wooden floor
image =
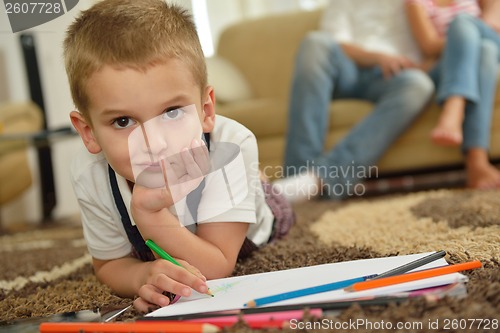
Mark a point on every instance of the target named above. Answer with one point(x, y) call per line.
point(453, 177)
point(418, 182)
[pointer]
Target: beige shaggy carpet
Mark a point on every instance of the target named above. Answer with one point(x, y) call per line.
point(47, 270)
point(465, 224)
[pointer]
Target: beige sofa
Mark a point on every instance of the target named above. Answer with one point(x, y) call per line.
point(254, 84)
point(15, 170)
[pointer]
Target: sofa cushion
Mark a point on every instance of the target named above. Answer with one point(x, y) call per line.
point(264, 117)
point(269, 117)
point(348, 112)
point(228, 82)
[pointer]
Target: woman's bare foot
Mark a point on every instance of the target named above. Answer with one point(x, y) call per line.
point(481, 174)
point(448, 131)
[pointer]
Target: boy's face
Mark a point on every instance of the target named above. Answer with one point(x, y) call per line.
point(141, 117)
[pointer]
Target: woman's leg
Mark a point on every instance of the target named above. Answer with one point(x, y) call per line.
point(448, 131)
point(477, 123)
point(457, 79)
point(460, 58)
point(481, 174)
point(458, 75)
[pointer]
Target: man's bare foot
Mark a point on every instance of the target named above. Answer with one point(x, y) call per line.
point(481, 174)
point(448, 131)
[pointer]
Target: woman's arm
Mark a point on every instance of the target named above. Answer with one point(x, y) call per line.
point(430, 42)
point(490, 10)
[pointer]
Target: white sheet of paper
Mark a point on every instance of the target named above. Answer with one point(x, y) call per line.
point(232, 293)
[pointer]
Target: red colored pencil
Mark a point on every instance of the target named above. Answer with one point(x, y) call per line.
point(428, 273)
point(259, 320)
point(272, 315)
point(256, 324)
point(128, 327)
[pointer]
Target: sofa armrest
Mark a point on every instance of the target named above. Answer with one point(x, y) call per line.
point(20, 118)
point(15, 171)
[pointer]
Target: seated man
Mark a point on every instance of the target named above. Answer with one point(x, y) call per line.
point(364, 50)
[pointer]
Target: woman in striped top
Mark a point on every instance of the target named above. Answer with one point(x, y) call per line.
point(465, 52)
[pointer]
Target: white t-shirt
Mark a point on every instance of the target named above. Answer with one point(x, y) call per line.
point(103, 230)
point(375, 25)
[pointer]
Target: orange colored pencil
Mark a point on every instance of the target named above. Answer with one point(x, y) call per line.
point(128, 327)
point(427, 273)
point(231, 321)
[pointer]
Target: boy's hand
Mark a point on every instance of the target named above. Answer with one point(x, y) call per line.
point(183, 173)
point(492, 22)
point(162, 276)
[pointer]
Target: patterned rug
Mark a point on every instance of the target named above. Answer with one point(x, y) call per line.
point(48, 270)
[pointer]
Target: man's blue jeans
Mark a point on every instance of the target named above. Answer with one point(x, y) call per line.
point(469, 68)
point(322, 72)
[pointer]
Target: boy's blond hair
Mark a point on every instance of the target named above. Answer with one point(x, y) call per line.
point(129, 34)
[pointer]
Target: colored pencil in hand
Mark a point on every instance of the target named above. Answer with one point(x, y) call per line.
point(164, 255)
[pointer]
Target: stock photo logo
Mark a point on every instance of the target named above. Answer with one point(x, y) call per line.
point(28, 14)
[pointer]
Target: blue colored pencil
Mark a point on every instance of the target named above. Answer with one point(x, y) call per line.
point(306, 291)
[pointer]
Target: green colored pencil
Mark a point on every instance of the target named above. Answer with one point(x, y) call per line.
point(159, 251)
point(164, 255)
